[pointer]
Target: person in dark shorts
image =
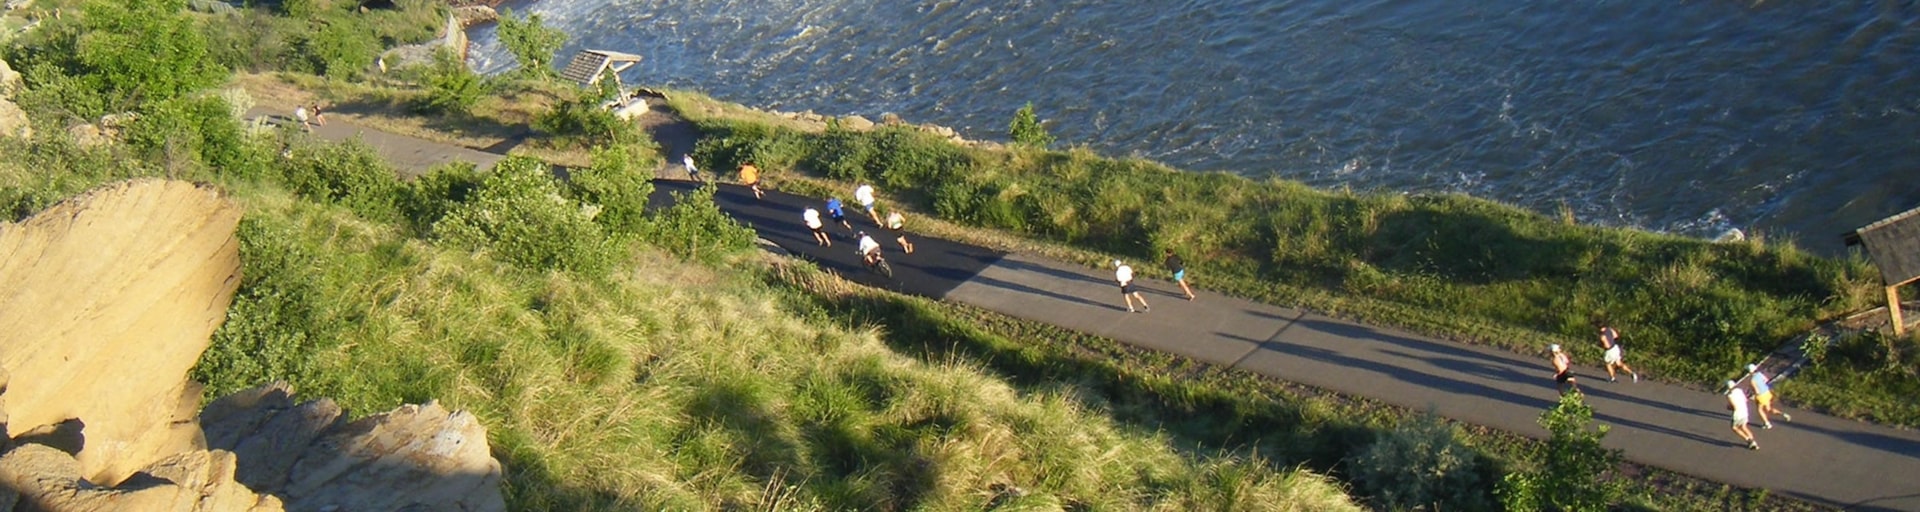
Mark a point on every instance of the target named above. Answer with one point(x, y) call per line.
point(1124, 275)
point(838, 212)
point(897, 224)
point(1179, 268)
point(812, 218)
point(1563, 370)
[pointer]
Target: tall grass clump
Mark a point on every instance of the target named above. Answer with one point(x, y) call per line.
point(1439, 263)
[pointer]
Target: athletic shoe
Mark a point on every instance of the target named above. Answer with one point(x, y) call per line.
point(1753, 445)
point(1611, 379)
point(1788, 417)
point(1768, 426)
point(1130, 310)
point(1144, 309)
point(1636, 378)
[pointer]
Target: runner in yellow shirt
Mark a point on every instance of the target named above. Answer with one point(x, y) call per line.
point(750, 175)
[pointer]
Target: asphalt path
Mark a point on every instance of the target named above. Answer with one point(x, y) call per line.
point(1823, 459)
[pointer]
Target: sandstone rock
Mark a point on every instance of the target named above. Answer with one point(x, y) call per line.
point(268, 430)
point(111, 297)
point(856, 123)
point(48, 479)
point(471, 15)
point(416, 458)
point(891, 119)
point(10, 81)
point(13, 121)
point(87, 135)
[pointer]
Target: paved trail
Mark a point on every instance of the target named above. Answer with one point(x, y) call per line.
point(1818, 458)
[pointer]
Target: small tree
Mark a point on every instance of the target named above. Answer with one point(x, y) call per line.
point(531, 42)
point(1572, 467)
point(1026, 130)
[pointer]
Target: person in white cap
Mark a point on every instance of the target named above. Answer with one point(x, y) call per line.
point(1124, 274)
point(1763, 394)
point(1562, 370)
point(1737, 402)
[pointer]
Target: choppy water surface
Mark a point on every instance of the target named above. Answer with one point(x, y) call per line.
point(1792, 118)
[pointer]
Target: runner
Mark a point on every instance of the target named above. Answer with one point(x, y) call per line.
point(869, 250)
point(1563, 370)
point(750, 175)
point(839, 214)
point(1610, 342)
point(300, 114)
point(896, 223)
point(1124, 274)
point(693, 173)
point(319, 118)
point(864, 195)
point(812, 217)
point(1763, 394)
point(1737, 402)
point(1179, 269)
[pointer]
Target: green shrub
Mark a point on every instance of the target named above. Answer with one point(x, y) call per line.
point(520, 216)
point(1026, 130)
point(581, 119)
point(430, 196)
point(342, 46)
point(200, 130)
point(1573, 465)
point(531, 42)
point(451, 87)
point(349, 174)
point(120, 53)
point(695, 228)
point(1422, 464)
point(277, 321)
point(618, 184)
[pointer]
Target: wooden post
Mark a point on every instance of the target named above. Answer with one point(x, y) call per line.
point(1893, 310)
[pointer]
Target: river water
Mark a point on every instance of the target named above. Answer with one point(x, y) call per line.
point(1796, 119)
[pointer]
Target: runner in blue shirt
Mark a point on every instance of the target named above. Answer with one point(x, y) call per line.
point(834, 210)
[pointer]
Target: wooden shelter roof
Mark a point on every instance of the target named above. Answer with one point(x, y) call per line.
point(1893, 244)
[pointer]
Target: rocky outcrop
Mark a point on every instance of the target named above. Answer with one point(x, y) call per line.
point(46, 478)
point(110, 299)
point(11, 83)
point(471, 15)
point(402, 57)
point(14, 122)
point(417, 457)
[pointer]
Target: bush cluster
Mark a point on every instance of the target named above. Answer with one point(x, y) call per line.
point(1423, 464)
point(519, 215)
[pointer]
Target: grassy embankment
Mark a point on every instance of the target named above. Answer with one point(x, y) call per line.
point(1452, 266)
point(620, 359)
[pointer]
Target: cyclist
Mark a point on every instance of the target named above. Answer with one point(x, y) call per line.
point(869, 249)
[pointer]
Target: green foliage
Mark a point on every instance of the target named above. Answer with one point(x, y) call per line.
point(341, 46)
point(1026, 130)
point(520, 216)
point(430, 196)
point(582, 120)
point(351, 174)
point(1423, 464)
point(121, 53)
point(452, 88)
point(278, 319)
point(199, 131)
point(695, 228)
point(532, 43)
point(618, 184)
point(1573, 466)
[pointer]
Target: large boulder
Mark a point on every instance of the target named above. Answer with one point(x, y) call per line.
point(415, 458)
point(111, 297)
point(13, 121)
point(10, 82)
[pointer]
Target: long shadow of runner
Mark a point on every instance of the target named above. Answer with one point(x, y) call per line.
point(1060, 273)
point(1348, 330)
point(996, 283)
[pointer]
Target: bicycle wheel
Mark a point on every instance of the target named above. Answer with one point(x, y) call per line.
point(884, 268)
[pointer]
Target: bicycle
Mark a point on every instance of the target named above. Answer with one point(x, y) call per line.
point(879, 264)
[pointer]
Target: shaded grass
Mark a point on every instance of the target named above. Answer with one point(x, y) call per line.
point(1445, 265)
